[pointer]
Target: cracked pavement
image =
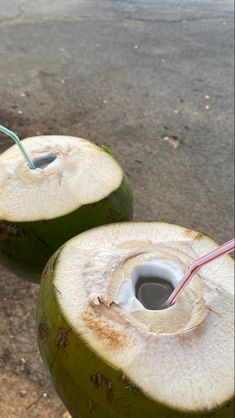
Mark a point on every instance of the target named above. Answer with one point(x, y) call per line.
point(153, 81)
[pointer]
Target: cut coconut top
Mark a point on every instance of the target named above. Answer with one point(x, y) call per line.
point(71, 172)
point(181, 356)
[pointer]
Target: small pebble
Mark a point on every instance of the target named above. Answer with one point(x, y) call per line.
point(207, 107)
point(174, 143)
point(105, 101)
point(66, 415)
point(22, 393)
point(207, 97)
point(45, 395)
point(136, 46)
point(23, 94)
point(176, 111)
point(62, 81)
point(20, 112)
point(163, 60)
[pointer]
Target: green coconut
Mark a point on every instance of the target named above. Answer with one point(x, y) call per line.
point(76, 186)
point(111, 357)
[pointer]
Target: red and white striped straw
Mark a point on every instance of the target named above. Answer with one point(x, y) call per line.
point(197, 264)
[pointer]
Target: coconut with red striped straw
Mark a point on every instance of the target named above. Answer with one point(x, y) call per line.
point(112, 351)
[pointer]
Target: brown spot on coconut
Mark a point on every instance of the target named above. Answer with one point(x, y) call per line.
point(194, 234)
point(102, 329)
point(109, 390)
point(97, 380)
point(62, 338)
point(8, 230)
point(102, 382)
point(43, 330)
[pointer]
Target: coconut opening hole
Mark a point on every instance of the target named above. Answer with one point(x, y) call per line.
point(45, 160)
point(149, 286)
point(153, 292)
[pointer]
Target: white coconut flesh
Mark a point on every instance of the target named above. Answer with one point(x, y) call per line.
point(182, 356)
point(71, 172)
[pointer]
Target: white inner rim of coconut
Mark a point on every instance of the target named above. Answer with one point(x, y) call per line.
point(71, 172)
point(150, 286)
point(45, 161)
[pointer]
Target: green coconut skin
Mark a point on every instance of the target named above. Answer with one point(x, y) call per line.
point(25, 247)
point(88, 386)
